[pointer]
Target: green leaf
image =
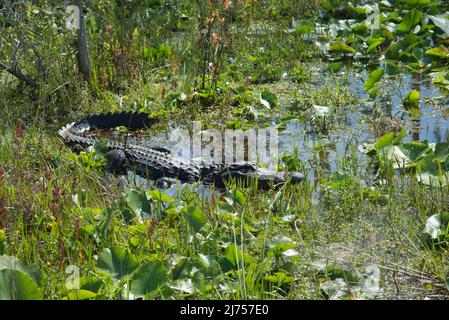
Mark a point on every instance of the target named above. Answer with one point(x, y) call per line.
point(431, 172)
point(392, 69)
point(410, 21)
point(17, 285)
point(441, 22)
point(234, 255)
point(335, 67)
point(81, 295)
point(373, 91)
point(195, 217)
point(148, 278)
point(325, 4)
point(268, 99)
point(182, 268)
point(374, 78)
point(117, 262)
point(392, 52)
point(159, 196)
point(374, 43)
point(384, 141)
point(414, 150)
point(280, 245)
point(101, 148)
point(439, 52)
point(234, 197)
point(416, 2)
point(412, 99)
point(11, 262)
point(442, 151)
point(138, 201)
point(341, 47)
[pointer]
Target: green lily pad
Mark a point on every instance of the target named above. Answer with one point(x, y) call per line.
point(17, 285)
point(195, 217)
point(374, 78)
point(268, 99)
point(11, 262)
point(117, 262)
point(412, 98)
point(138, 201)
point(148, 278)
point(341, 47)
point(410, 21)
point(439, 52)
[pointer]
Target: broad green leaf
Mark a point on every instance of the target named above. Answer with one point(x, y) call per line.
point(234, 197)
point(17, 285)
point(207, 264)
point(81, 294)
point(335, 67)
point(11, 262)
point(182, 268)
point(117, 262)
point(392, 52)
point(341, 47)
point(184, 285)
point(268, 99)
point(101, 148)
point(148, 278)
point(431, 172)
point(412, 98)
point(442, 151)
point(410, 21)
point(159, 196)
point(441, 22)
point(385, 140)
point(234, 255)
point(195, 217)
point(374, 43)
point(374, 78)
point(439, 52)
point(392, 69)
point(373, 91)
point(138, 201)
point(325, 4)
point(279, 245)
point(414, 150)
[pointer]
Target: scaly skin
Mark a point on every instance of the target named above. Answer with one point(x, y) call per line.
point(155, 164)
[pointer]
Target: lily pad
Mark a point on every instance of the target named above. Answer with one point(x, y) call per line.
point(374, 78)
point(148, 278)
point(17, 285)
point(268, 99)
point(117, 262)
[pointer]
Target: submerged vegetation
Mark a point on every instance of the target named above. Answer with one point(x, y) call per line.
point(357, 90)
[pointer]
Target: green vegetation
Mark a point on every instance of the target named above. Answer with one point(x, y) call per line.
point(367, 101)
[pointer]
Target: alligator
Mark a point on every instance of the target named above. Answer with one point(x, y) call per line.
point(158, 163)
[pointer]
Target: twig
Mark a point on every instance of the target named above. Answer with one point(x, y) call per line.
point(19, 75)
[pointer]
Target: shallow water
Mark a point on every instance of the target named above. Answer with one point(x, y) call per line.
point(347, 126)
